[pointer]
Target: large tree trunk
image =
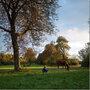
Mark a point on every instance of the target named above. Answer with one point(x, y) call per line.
point(15, 48)
point(15, 51)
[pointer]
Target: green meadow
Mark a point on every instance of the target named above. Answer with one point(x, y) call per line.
point(33, 78)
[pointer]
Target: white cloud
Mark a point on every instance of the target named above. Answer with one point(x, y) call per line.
point(77, 39)
point(75, 35)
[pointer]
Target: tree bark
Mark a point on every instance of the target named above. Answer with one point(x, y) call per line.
point(15, 52)
point(15, 47)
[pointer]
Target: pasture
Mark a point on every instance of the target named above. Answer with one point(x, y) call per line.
point(32, 78)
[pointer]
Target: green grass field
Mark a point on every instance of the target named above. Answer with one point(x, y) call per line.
point(32, 78)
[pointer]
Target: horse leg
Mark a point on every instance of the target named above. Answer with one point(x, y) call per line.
point(68, 67)
point(65, 66)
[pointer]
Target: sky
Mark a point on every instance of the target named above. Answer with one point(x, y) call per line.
point(72, 23)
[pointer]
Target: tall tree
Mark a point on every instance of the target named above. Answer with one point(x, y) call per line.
point(49, 55)
point(62, 46)
point(30, 55)
point(20, 17)
point(85, 56)
point(1, 57)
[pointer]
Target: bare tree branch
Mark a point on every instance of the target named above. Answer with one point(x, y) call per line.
point(21, 33)
point(6, 30)
point(21, 6)
point(6, 9)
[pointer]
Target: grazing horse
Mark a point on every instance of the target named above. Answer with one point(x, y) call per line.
point(63, 63)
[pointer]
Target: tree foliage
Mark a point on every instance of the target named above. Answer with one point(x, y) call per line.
point(28, 18)
point(48, 54)
point(6, 58)
point(62, 46)
point(30, 55)
point(85, 56)
point(33, 16)
point(54, 51)
point(74, 60)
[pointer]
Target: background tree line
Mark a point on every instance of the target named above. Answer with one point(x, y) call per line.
point(6, 59)
point(52, 52)
point(85, 55)
point(26, 59)
point(56, 51)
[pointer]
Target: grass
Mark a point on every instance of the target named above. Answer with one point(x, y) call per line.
point(6, 67)
point(32, 78)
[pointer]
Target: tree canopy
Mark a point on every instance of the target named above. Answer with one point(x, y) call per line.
point(30, 55)
point(28, 18)
point(62, 46)
point(85, 56)
point(54, 51)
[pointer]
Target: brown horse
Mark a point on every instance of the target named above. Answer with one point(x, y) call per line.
point(63, 63)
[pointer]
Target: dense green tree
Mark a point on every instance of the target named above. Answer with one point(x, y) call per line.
point(62, 46)
point(48, 54)
point(1, 57)
point(32, 18)
point(85, 56)
point(30, 55)
point(39, 59)
point(54, 51)
point(6, 58)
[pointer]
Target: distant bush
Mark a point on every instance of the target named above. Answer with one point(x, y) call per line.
point(84, 55)
point(6, 59)
point(7, 63)
point(85, 62)
point(73, 61)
